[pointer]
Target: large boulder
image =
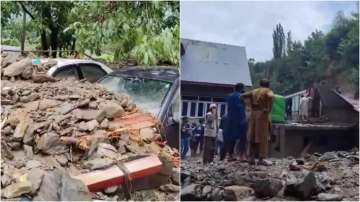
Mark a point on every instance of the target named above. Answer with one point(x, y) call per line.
point(17, 68)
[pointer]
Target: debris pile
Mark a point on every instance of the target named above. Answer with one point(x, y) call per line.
point(53, 131)
point(14, 67)
point(330, 176)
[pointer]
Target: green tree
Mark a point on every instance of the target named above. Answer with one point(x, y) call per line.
point(278, 41)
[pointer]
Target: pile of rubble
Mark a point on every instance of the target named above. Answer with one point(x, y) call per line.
point(15, 66)
point(53, 131)
point(330, 176)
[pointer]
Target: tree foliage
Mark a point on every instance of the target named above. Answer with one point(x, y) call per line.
point(333, 56)
point(279, 41)
point(144, 32)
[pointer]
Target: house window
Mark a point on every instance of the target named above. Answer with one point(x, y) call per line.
point(200, 112)
point(193, 109)
point(184, 108)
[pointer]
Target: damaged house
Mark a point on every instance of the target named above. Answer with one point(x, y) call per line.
point(334, 126)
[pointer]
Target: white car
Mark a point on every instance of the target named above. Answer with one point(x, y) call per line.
point(78, 68)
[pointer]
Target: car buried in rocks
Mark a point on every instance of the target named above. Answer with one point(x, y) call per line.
point(154, 90)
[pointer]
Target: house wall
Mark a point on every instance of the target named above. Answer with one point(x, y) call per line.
point(295, 140)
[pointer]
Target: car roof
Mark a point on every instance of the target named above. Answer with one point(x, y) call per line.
point(163, 73)
point(66, 61)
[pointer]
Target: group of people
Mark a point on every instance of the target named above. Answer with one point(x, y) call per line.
point(250, 132)
point(192, 137)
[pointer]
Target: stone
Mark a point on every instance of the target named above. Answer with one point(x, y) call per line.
point(175, 176)
point(61, 159)
point(47, 103)
point(104, 124)
point(7, 130)
point(35, 177)
point(32, 164)
point(82, 126)
point(5, 151)
point(59, 186)
point(21, 128)
point(91, 125)
point(21, 186)
point(106, 150)
point(93, 105)
point(294, 167)
point(7, 174)
point(89, 114)
point(111, 190)
point(26, 92)
point(169, 188)
point(266, 187)
point(73, 189)
point(329, 197)
point(237, 193)
point(27, 73)
point(216, 195)
point(14, 145)
point(111, 109)
point(319, 167)
point(328, 156)
point(206, 191)
point(147, 134)
point(98, 163)
point(121, 147)
point(49, 143)
point(188, 192)
point(29, 135)
point(28, 151)
point(41, 78)
point(308, 187)
point(17, 68)
point(19, 163)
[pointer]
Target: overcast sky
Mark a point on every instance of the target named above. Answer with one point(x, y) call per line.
point(251, 24)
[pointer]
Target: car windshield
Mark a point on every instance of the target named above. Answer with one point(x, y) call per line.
point(147, 93)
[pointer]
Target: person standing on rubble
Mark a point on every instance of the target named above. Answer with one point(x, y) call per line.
point(211, 130)
point(304, 107)
point(260, 100)
point(185, 136)
point(198, 138)
point(237, 126)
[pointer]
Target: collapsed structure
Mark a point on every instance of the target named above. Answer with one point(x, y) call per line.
point(62, 139)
